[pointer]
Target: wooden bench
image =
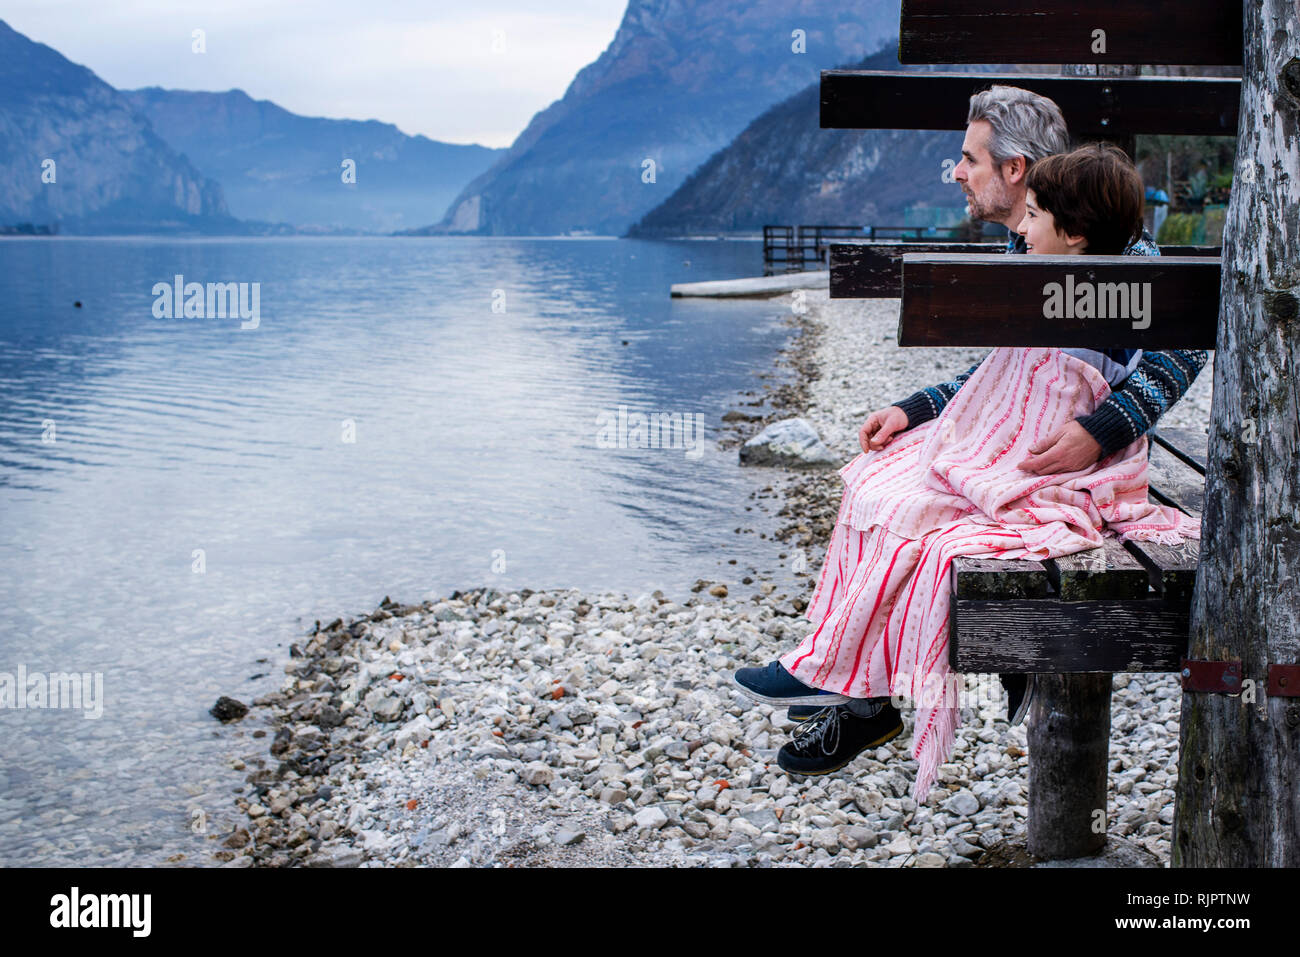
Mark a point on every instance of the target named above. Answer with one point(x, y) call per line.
point(794, 248)
point(1122, 607)
point(1077, 620)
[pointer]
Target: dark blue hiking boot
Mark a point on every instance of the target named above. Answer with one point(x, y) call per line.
point(775, 685)
point(835, 737)
point(802, 712)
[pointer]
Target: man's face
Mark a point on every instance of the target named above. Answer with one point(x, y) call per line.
point(989, 197)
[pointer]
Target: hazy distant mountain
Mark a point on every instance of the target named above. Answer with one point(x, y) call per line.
point(679, 81)
point(111, 172)
point(279, 166)
point(785, 169)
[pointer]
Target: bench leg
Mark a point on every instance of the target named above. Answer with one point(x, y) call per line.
point(1069, 742)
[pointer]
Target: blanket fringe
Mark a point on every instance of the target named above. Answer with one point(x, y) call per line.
point(942, 727)
point(1174, 536)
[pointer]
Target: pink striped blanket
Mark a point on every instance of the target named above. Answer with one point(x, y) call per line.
point(951, 487)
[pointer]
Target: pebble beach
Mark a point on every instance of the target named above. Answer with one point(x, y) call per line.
point(560, 728)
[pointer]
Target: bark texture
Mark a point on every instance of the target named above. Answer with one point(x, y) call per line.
point(1238, 797)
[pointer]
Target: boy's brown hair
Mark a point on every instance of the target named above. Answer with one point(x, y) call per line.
point(1094, 192)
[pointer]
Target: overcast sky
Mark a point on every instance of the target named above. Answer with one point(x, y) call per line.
point(428, 66)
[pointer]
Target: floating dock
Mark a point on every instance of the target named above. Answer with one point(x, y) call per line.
point(757, 287)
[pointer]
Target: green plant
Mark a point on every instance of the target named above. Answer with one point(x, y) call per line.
point(1220, 189)
point(1182, 229)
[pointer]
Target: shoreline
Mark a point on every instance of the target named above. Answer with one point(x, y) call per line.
point(601, 729)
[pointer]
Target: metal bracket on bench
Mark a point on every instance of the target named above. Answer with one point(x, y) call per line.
point(1220, 676)
point(1284, 681)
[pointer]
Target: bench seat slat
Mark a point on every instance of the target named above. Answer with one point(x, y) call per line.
point(1187, 445)
point(992, 578)
point(1098, 573)
point(1172, 570)
point(1175, 481)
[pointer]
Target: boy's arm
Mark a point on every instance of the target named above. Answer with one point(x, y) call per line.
point(928, 403)
point(1160, 380)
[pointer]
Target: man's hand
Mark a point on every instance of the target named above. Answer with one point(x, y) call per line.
point(1068, 449)
point(880, 428)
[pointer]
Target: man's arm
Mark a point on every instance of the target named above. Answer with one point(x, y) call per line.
point(928, 403)
point(1160, 380)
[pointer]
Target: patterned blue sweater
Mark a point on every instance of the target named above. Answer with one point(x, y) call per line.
point(1160, 380)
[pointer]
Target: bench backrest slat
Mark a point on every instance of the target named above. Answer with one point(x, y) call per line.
point(1093, 106)
point(1031, 31)
point(1092, 302)
point(874, 270)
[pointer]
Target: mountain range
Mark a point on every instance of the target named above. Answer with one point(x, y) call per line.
point(783, 168)
point(700, 116)
point(74, 152)
point(279, 166)
point(77, 153)
point(679, 80)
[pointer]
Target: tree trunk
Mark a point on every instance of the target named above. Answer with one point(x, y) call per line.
point(1238, 797)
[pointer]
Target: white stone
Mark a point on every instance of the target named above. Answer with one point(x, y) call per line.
point(792, 442)
point(651, 818)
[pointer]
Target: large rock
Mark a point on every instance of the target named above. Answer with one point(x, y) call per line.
point(228, 709)
point(790, 442)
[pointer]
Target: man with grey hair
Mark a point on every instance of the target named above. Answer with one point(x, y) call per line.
point(1007, 130)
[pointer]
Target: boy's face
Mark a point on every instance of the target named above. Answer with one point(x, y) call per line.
point(1039, 229)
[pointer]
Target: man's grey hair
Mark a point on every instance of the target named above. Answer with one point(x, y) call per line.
point(1024, 123)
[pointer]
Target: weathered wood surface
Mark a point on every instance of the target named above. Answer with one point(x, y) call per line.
point(991, 578)
point(1122, 607)
point(1176, 481)
point(1194, 443)
point(996, 31)
point(1069, 742)
point(1014, 635)
point(874, 270)
point(1001, 300)
point(1105, 572)
point(1238, 795)
point(1093, 106)
point(1172, 482)
point(1193, 452)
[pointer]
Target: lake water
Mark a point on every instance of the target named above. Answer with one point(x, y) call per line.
point(181, 497)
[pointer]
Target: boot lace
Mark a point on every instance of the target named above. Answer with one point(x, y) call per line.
point(824, 732)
